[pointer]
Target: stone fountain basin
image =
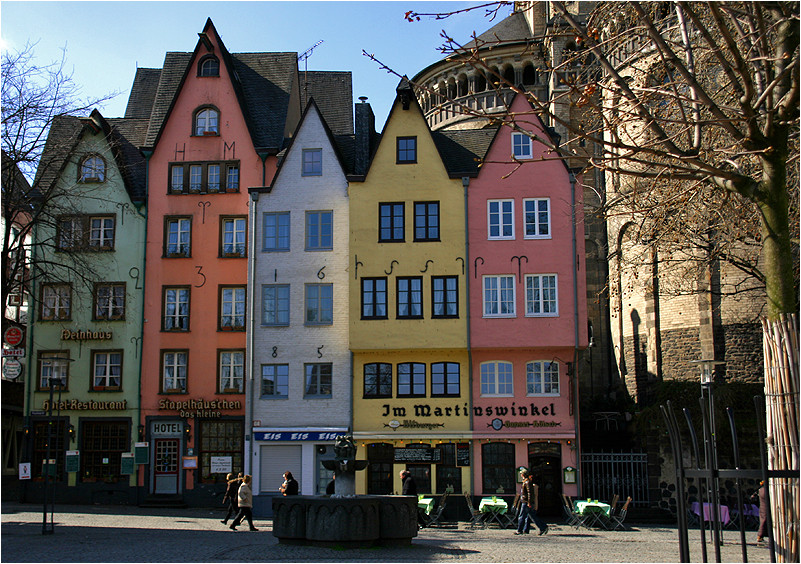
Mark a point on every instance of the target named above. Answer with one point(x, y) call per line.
point(363, 520)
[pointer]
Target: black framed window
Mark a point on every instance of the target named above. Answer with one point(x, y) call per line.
point(445, 379)
point(390, 227)
point(374, 298)
point(109, 298)
point(102, 445)
point(379, 472)
point(56, 302)
point(426, 221)
point(448, 474)
point(378, 380)
point(444, 296)
point(208, 66)
point(58, 446)
point(411, 379)
point(407, 150)
point(409, 297)
point(498, 468)
point(106, 371)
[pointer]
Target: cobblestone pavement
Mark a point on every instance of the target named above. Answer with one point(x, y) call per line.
point(132, 534)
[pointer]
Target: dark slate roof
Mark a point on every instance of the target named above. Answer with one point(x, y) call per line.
point(170, 76)
point(513, 28)
point(143, 92)
point(124, 136)
point(333, 93)
point(463, 150)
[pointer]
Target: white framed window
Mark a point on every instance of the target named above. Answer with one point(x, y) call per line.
point(234, 237)
point(496, 379)
point(499, 296)
point(173, 372)
point(93, 169)
point(56, 302)
point(274, 381)
point(195, 178)
point(312, 162)
point(176, 309)
point(232, 178)
point(232, 371)
point(232, 308)
point(206, 122)
point(178, 237)
point(542, 378)
point(101, 232)
point(107, 369)
point(521, 146)
point(541, 295)
point(501, 219)
point(213, 177)
point(275, 304)
point(177, 178)
point(537, 218)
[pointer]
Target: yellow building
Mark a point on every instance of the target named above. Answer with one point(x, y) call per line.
point(409, 306)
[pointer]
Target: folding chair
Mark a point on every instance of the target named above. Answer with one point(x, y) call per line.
point(509, 518)
point(572, 517)
point(617, 519)
point(476, 517)
point(436, 515)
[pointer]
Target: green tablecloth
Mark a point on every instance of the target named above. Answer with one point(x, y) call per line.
point(584, 507)
point(490, 505)
point(426, 504)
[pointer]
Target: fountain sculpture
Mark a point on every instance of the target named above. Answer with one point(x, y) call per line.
point(345, 518)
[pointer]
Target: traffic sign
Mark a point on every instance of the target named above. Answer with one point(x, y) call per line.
point(13, 336)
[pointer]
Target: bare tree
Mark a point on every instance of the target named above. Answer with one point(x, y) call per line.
point(34, 99)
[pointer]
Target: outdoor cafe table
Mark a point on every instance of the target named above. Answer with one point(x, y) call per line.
point(723, 512)
point(494, 507)
point(425, 504)
point(585, 507)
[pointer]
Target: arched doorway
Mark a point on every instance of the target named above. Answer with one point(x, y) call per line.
point(545, 465)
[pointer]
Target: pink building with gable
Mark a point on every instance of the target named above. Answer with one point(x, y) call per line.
point(528, 314)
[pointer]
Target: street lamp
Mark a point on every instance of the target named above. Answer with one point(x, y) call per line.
point(48, 467)
point(707, 367)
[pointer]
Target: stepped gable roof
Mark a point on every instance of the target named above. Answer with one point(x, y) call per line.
point(332, 91)
point(463, 150)
point(123, 136)
point(143, 93)
point(511, 29)
point(262, 82)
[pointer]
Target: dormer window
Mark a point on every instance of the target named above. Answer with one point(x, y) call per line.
point(208, 66)
point(206, 122)
point(92, 169)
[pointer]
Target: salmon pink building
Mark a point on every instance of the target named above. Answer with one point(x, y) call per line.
point(528, 314)
point(214, 131)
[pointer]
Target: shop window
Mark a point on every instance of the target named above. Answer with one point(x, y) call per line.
point(220, 438)
point(58, 444)
point(448, 474)
point(498, 468)
point(102, 444)
point(381, 457)
point(420, 472)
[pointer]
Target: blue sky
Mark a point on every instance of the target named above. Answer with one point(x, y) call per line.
point(106, 41)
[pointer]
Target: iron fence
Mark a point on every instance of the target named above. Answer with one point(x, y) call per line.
point(605, 474)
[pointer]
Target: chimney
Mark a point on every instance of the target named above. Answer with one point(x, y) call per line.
point(365, 129)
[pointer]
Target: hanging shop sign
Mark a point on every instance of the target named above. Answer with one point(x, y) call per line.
point(200, 407)
point(13, 336)
point(12, 368)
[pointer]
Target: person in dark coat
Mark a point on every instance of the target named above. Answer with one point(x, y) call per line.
point(330, 489)
point(290, 485)
point(409, 485)
point(529, 493)
point(230, 497)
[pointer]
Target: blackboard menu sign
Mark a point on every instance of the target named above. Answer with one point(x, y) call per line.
point(462, 454)
point(417, 455)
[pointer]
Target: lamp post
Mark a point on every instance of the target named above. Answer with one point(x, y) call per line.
point(48, 495)
point(710, 446)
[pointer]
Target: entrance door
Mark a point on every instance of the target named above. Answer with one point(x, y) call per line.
point(166, 469)
point(545, 465)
